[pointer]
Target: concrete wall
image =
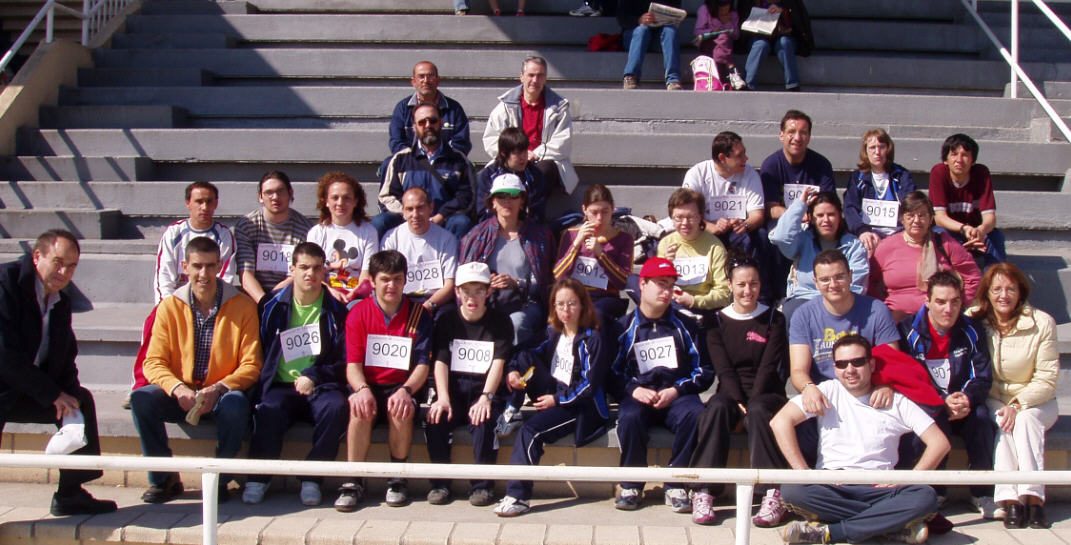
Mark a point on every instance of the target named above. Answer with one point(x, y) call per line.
point(37, 84)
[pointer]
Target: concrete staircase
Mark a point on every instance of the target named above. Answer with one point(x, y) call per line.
point(226, 90)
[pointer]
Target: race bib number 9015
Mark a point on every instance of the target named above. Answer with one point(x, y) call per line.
point(880, 213)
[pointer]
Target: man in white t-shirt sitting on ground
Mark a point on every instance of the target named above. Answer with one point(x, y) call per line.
point(430, 250)
point(855, 435)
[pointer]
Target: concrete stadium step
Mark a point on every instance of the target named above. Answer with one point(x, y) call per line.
point(115, 117)
point(818, 70)
point(102, 223)
point(188, 7)
point(74, 168)
point(154, 77)
point(203, 39)
point(892, 9)
point(557, 519)
point(589, 149)
point(830, 34)
point(840, 114)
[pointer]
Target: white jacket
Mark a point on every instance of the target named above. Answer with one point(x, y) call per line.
point(557, 131)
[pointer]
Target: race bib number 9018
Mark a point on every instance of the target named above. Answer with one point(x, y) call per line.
point(274, 257)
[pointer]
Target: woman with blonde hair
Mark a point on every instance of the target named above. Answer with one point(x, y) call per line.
point(1026, 367)
point(871, 202)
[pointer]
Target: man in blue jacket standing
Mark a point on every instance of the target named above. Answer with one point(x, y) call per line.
point(660, 369)
point(303, 333)
point(953, 349)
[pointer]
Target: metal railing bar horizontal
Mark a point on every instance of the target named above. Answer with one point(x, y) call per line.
point(744, 479)
point(1012, 57)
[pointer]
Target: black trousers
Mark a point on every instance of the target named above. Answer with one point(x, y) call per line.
point(26, 410)
point(715, 428)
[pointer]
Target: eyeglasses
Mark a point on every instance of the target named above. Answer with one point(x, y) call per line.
point(472, 293)
point(507, 196)
point(854, 362)
point(566, 305)
point(915, 216)
point(837, 278)
point(428, 121)
point(1010, 290)
point(683, 218)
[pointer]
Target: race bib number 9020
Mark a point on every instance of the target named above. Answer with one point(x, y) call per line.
point(388, 351)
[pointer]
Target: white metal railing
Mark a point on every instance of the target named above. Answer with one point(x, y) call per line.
point(1012, 57)
point(744, 479)
point(94, 15)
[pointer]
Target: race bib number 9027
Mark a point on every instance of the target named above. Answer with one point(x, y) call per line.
point(660, 352)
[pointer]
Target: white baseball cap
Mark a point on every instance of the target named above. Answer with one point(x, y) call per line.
point(507, 183)
point(472, 272)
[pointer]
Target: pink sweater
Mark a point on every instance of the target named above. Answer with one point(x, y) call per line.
point(895, 266)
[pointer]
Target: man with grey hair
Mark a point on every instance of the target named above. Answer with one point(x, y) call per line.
point(544, 117)
point(38, 377)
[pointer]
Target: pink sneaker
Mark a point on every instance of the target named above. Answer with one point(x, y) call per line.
point(703, 508)
point(771, 511)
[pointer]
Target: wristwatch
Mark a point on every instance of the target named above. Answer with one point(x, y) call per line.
point(490, 396)
point(433, 305)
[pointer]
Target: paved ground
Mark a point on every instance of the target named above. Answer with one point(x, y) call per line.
point(565, 521)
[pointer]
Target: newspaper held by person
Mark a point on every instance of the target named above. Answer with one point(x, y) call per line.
point(760, 21)
point(666, 15)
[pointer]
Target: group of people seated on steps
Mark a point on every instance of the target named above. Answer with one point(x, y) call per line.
point(468, 298)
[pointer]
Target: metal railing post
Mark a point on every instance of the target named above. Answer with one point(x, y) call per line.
point(1014, 47)
point(744, 491)
point(49, 17)
point(85, 22)
point(209, 507)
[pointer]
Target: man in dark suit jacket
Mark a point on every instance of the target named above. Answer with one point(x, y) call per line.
point(38, 378)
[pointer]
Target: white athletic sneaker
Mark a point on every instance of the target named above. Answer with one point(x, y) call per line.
point(254, 492)
point(585, 11)
point(511, 507)
point(989, 509)
point(310, 493)
point(677, 499)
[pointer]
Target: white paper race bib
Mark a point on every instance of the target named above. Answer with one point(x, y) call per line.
point(274, 257)
point(726, 206)
point(588, 271)
point(660, 352)
point(424, 276)
point(880, 213)
point(300, 342)
point(795, 191)
point(691, 270)
point(940, 369)
point(388, 351)
point(473, 357)
point(561, 367)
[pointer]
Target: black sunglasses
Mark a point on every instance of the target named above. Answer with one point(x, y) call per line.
point(854, 362)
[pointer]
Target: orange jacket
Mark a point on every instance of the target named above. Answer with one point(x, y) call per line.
point(235, 358)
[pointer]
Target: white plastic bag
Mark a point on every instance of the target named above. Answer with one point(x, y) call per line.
point(70, 437)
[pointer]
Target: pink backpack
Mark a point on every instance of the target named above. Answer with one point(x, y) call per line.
point(705, 75)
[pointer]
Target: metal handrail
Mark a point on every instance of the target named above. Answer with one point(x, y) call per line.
point(744, 479)
point(1012, 57)
point(94, 16)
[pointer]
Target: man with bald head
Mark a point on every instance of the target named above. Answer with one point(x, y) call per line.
point(38, 378)
point(454, 126)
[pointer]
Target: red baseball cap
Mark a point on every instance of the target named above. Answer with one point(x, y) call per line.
point(658, 266)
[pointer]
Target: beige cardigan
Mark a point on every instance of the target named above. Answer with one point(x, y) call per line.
point(1026, 363)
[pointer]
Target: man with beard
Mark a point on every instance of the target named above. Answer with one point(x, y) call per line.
point(445, 174)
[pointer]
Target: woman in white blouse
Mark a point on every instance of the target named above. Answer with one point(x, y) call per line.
point(1022, 343)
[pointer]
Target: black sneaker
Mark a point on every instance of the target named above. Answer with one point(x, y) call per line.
point(629, 499)
point(350, 496)
point(481, 497)
point(80, 503)
point(171, 489)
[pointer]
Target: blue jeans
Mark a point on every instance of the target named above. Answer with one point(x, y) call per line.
point(461, 4)
point(639, 40)
point(785, 47)
point(858, 512)
point(151, 407)
point(995, 252)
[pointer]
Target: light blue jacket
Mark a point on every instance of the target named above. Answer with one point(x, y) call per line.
point(800, 244)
